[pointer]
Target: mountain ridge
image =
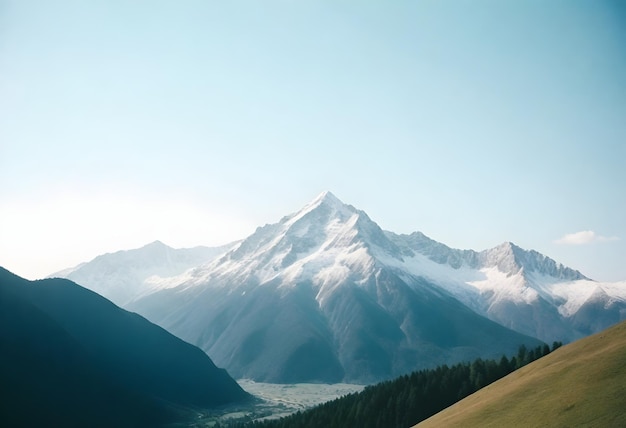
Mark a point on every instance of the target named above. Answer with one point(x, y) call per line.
point(114, 358)
point(329, 265)
point(320, 269)
point(124, 275)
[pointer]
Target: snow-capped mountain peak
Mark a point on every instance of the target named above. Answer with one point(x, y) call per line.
point(324, 208)
point(326, 198)
point(328, 266)
point(511, 259)
point(297, 232)
point(506, 257)
point(325, 281)
point(322, 239)
point(330, 239)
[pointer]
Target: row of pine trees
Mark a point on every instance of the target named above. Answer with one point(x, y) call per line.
point(407, 400)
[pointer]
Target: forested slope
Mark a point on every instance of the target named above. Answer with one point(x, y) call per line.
point(405, 401)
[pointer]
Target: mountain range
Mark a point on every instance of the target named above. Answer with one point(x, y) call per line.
point(325, 294)
point(70, 357)
point(125, 275)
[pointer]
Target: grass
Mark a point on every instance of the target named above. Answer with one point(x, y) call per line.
point(582, 384)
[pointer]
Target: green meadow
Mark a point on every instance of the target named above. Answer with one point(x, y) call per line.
point(582, 384)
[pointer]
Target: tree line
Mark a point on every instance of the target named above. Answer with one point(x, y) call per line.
point(407, 400)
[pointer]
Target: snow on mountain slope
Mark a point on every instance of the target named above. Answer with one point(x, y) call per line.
point(308, 299)
point(318, 243)
point(325, 295)
point(328, 242)
point(520, 289)
point(125, 275)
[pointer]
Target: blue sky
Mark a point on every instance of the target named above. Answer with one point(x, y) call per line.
point(194, 122)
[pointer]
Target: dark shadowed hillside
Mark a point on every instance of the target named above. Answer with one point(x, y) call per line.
point(70, 357)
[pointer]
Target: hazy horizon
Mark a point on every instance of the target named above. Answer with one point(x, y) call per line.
point(195, 122)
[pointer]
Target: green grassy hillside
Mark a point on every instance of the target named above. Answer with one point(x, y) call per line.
point(581, 384)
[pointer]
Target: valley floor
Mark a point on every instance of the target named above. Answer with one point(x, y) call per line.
point(277, 400)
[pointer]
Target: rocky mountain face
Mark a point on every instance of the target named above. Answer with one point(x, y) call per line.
point(325, 295)
point(309, 299)
point(72, 358)
point(523, 290)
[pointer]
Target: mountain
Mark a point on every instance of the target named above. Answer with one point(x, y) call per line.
point(523, 290)
point(581, 384)
point(358, 303)
point(72, 358)
point(319, 296)
point(125, 275)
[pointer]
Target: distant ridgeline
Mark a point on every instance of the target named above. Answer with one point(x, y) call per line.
point(407, 400)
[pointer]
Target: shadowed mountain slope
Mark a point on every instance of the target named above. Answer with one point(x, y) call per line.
point(70, 357)
point(581, 384)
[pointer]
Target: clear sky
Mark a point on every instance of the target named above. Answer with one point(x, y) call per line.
point(194, 122)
